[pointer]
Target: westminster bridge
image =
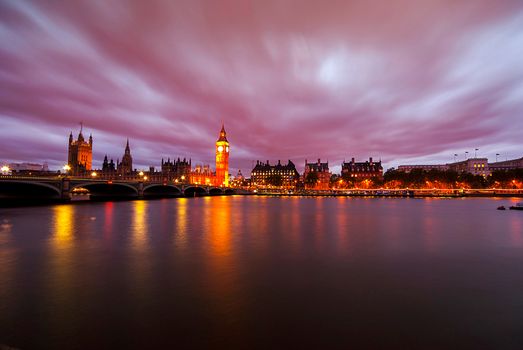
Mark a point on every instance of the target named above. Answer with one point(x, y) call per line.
point(66, 188)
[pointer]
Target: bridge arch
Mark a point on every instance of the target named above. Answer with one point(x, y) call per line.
point(105, 189)
point(229, 191)
point(27, 189)
point(194, 191)
point(215, 191)
point(161, 190)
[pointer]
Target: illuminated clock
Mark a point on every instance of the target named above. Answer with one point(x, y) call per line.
point(227, 149)
point(220, 148)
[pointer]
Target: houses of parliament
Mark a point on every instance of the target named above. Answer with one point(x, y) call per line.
point(80, 155)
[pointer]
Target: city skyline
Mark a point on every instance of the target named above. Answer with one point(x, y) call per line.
point(348, 80)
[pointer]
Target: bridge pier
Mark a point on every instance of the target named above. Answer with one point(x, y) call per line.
point(140, 189)
point(65, 189)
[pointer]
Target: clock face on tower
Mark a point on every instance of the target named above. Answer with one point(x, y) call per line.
point(220, 148)
point(227, 149)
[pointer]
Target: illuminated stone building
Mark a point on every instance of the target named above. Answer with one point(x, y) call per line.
point(30, 169)
point(80, 154)
point(239, 180)
point(425, 167)
point(321, 172)
point(264, 174)
point(475, 166)
point(176, 169)
point(222, 159)
point(202, 175)
point(125, 167)
point(506, 165)
point(357, 171)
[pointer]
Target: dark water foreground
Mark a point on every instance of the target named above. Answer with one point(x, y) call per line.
point(262, 272)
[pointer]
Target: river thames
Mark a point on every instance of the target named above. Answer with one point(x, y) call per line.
point(263, 272)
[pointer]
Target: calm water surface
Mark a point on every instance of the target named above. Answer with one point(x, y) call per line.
point(262, 272)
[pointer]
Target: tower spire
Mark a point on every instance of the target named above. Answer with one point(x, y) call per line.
point(223, 134)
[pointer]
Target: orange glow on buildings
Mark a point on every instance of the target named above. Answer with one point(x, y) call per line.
point(202, 175)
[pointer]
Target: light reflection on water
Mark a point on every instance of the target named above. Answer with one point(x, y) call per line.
point(7, 254)
point(224, 271)
point(180, 229)
point(140, 230)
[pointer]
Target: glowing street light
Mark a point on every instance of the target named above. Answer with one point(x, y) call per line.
point(94, 174)
point(183, 177)
point(145, 178)
point(140, 173)
point(66, 168)
point(5, 170)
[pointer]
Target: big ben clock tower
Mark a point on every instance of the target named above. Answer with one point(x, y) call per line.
point(222, 159)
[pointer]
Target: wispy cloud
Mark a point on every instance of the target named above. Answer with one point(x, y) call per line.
point(404, 81)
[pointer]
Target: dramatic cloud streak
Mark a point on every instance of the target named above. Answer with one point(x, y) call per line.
point(408, 81)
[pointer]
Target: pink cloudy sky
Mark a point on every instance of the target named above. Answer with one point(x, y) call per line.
point(407, 81)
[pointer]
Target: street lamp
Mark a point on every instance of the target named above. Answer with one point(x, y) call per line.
point(140, 173)
point(5, 170)
point(66, 168)
point(94, 174)
point(183, 178)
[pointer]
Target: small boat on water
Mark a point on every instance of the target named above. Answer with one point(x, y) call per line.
point(518, 206)
point(502, 207)
point(80, 194)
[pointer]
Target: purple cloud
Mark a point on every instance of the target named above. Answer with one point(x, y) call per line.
point(405, 82)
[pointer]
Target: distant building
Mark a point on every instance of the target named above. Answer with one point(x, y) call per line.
point(32, 169)
point(202, 175)
point(321, 174)
point(425, 167)
point(175, 169)
point(238, 180)
point(108, 167)
point(80, 154)
point(16, 167)
point(125, 167)
point(356, 171)
point(475, 166)
point(264, 174)
point(506, 165)
point(239, 175)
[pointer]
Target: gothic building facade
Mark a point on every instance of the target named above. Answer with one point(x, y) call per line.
point(222, 159)
point(317, 175)
point(80, 154)
point(108, 167)
point(176, 169)
point(125, 167)
point(264, 174)
point(357, 171)
point(203, 175)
